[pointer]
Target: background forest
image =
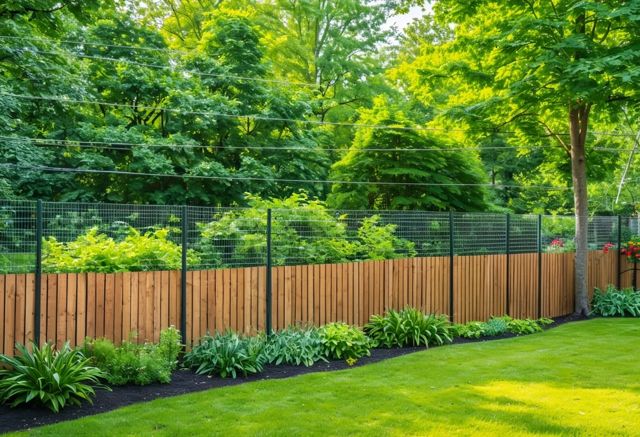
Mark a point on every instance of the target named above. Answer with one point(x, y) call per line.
point(101, 101)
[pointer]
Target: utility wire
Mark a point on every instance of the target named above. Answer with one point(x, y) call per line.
point(260, 117)
point(258, 179)
point(118, 145)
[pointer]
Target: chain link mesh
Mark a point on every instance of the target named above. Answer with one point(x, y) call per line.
point(116, 237)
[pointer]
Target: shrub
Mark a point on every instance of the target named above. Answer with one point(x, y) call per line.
point(496, 326)
point(132, 363)
point(227, 354)
point(49, 377)
point(408, 327)
point(524, 326)
point(294, 345)
point(343, 342)
point(470, 329)
point(613, 302)
point(97, 252)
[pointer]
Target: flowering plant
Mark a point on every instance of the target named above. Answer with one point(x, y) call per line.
point(631, 249)
point(607, 247)
point(556, 246)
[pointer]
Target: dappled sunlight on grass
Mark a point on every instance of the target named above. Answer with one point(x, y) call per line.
point(596, 411)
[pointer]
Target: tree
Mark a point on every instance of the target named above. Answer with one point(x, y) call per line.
point(454, 175)
point(546, 69)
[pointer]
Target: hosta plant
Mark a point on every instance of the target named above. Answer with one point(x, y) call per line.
point(344, 342)
point(294, 345)
point(616, 303)
point(408, 327)
point(227, 354)
point(53, 378)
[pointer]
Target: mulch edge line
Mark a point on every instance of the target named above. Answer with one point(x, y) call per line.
point(186, 381)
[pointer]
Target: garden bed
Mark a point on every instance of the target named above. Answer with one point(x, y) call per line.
point(186, 381)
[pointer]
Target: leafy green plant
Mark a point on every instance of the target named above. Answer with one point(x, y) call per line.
point(227, 354)
point(616, 303)
point(495, 326)
point(524, 326)
point(344, 342)
point(408, 327)
point(132, 363)
point(53, 378)
point(470, 329)
point(97, 252)
point(294, 345)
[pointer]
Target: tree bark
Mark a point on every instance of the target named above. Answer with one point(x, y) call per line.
point(578, 123)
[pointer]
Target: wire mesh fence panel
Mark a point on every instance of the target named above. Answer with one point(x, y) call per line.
point(226, 237)
point(602, 230)
point(84, 237)
point(479, 233)
point(523, 233)
point(558, 234)
point(17, 236)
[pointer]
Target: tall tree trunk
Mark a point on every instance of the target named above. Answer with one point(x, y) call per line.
point(578, 122)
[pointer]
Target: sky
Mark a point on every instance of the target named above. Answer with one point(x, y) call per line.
point(400, 21)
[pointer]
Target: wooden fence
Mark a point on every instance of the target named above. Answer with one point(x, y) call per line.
point(79, 305)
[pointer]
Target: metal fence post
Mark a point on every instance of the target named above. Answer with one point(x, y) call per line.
point(618, 263)
point(508, 250)
point(451, 253)
point(183, 277)
point(539, 235)
point(38, 275)
point(268, 281)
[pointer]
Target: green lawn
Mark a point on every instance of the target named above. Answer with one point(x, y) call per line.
point(578, 379)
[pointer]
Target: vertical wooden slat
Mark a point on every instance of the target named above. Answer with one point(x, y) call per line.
point(194, 290)
point(174, 296)
point(164, 299)
point(100, 304)
point(72, 288)
point(247, 289)
point(126, 307)
point(9, 313)
point(91, 305)
point(109, 305)
point(211, 301)
point(20, 316)
point(29, 308)
point(118, 284)
point(61, 325)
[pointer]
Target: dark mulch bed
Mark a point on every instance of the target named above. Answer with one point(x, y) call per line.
point(185, 381)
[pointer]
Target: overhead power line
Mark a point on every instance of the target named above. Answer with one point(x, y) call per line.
point(119, 145)
point(66, 100)
point(259, 179)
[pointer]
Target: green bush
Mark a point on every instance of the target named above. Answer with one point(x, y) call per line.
point(496, 326)
point(470, 329)
point(132, 363)
point(49, 377)
point(294, 345)
point(97, 252)
point(408, 327)
point(227, 354)
point(343, 342)
point(616, 303)
point(235, 236)
point(500, 325)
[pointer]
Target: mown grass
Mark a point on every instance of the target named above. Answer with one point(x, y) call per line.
point(578, 379)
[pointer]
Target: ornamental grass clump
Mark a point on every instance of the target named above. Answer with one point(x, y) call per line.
point(408, 327)
point(52, 378)
point(227, 354)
